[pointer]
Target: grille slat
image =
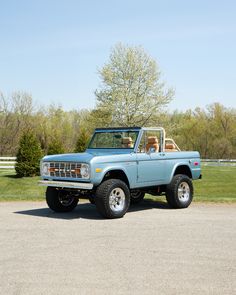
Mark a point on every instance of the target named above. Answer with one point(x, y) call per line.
point(65, 169)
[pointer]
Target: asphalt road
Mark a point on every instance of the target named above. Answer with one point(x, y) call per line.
point(152, 250)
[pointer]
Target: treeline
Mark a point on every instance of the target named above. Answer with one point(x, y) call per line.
point(131, 93)
point(56, 129)
point(211, 131)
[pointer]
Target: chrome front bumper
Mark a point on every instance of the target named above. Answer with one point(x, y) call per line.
point(66, 184)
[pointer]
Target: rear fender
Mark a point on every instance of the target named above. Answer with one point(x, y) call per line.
point(181, 168)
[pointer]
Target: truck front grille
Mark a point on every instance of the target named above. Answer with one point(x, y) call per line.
point(65, 169)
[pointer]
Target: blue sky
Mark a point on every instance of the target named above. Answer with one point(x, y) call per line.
point(53, 49)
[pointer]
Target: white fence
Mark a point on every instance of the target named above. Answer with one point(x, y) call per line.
point(7, 162)
point(219, 162)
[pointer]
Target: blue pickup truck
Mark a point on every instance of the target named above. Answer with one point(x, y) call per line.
point(119, 166)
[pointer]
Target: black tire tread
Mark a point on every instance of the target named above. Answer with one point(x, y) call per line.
point(54, 203)
point(102, 199)
point(171, 192)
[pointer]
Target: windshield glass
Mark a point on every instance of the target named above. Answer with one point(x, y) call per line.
point(113, 140)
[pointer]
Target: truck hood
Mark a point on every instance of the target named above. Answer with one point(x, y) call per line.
point(86, 156)
point(75, 157)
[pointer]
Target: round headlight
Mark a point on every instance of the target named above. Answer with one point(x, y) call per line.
point(45, 168)
point(84, 170)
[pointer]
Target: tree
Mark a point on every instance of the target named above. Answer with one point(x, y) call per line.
point(54, 124)
point(131, 90)
point(99, 117)
point(15, 115)
point(210, 131)
point(82, 141)
point(55, 147)
point(28, 156)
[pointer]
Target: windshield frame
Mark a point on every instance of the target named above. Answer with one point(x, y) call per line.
point(115, 130)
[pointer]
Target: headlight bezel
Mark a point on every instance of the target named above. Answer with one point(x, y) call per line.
point(85, 171)
point(44, 171)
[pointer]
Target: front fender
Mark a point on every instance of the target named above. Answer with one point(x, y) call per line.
point(129, 169)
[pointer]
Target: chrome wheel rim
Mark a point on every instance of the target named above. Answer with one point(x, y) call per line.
point(117, 199)
point(183, 192)
point(65, 198)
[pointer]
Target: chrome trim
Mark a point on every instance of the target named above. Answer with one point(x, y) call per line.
point(67, 184)
point(64, 169)
point(141, 132)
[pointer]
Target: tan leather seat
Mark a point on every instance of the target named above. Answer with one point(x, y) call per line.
point(152, 144)
point(127, 142)
point(170, 147)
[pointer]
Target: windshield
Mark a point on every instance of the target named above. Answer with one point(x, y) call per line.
point(113, 140)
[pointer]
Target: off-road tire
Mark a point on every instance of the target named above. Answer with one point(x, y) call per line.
point(60, 200)
point(136, 197)
point(179, 193)
point(105, 194)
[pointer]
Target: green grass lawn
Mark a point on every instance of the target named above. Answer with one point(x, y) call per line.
point(218, 185)
point(19, 189)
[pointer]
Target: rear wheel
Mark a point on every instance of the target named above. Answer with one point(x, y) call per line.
point(112, 198)
point(136, 196)
point(60, 200)
point(179, 192)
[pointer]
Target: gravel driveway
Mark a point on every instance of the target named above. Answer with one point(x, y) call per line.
point(152, 250)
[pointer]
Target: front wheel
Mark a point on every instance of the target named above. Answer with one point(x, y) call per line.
point(179, 193)
point(112, 198)
point(60, 200)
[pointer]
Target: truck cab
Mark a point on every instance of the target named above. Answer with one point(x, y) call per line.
point(119, 167)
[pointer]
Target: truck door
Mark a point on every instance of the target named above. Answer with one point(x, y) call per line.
point(150, 159)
